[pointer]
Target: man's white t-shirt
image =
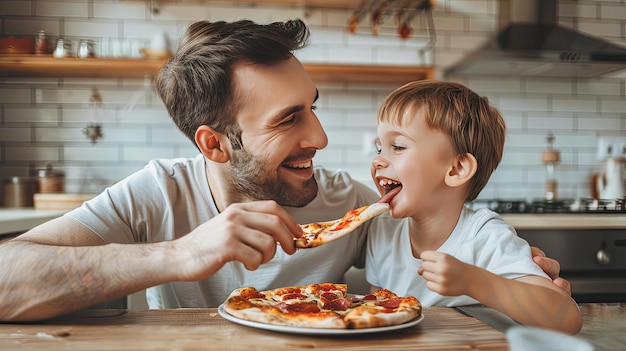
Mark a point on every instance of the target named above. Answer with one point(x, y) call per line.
point(169, 198)
point(480, 238)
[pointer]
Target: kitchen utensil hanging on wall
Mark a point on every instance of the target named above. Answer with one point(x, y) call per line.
point(403, 11)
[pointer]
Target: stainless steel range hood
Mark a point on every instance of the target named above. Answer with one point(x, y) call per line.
point(541, 48)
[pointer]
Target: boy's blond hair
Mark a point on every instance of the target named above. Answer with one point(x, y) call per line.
point(472, 125)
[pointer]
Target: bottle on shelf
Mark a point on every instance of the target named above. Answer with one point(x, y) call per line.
point(550, 158)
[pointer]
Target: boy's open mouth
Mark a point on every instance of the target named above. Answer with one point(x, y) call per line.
point(388, 184)
point(390, 189)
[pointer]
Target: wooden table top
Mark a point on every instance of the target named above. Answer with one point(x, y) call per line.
point(196, 329)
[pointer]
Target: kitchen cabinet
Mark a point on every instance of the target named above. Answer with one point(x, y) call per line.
point(47, 66)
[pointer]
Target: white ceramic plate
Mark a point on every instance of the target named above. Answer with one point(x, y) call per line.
point(315, 331)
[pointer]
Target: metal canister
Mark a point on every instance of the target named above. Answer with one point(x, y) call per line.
point(50, 180)
point(41, 43)
point(19, 191)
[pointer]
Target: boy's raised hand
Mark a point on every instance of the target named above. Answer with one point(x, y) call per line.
point(444, 274)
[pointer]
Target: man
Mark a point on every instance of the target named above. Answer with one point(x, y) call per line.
point(192, 230)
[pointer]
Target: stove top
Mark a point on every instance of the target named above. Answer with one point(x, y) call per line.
point(559, 206)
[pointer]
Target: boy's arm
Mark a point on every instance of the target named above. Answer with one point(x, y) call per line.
point(530, 300)
point(551, 267)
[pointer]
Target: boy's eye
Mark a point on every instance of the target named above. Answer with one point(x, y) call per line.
point(378, 147)
point(396, 147)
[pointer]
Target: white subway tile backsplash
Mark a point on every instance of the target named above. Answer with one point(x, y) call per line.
point(577, 10)
point(550, 123)
point(20, 152)
point(334, 155)
point(90, 153)
point(61, 9)
point(64, 134)
point(599, 87)
point(140, 153)
point(332, 118)
point(523, 103)
point(351, 100)
point(167, 134)
point(466, 41)
point(613, 12)
point(610, 105)
point(482, 25)
point(20, 134)
point(477, 7)
point(613, 29)
point(59, 96)
point(118, 11)
point(575, 103)
point(453, 24)
point(601, 124)
point(549, 87)
point(13, 95)
point(356, 55)
point(16, 8)
point(31, 115)
point(22, 26)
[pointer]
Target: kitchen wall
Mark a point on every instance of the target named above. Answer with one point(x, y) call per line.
point(41, 119)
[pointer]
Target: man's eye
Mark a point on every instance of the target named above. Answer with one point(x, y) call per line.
point(288, 121)
point(313, 107)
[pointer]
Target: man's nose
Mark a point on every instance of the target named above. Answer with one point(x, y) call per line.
point(316, 136)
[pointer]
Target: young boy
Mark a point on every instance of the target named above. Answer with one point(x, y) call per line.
point(438, 144)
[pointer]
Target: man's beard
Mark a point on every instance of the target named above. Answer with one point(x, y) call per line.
point(251, 177)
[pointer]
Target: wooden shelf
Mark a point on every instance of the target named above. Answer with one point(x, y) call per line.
point(343, 4)
point(368, 73)
point(46, 66)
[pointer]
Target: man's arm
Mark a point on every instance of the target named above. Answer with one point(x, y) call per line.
point(62, 266)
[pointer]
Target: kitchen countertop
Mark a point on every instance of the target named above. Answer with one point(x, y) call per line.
point(443, 328)
point(566, 220)
point(17, 220)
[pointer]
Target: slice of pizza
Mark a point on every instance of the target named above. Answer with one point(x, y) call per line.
point(320, 233)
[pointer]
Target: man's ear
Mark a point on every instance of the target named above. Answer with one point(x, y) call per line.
point(462, 170)
point(212, 144)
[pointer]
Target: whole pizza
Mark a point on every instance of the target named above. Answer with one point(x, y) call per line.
point(325, 305)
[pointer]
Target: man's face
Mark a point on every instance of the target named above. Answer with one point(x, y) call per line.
point(280, 133)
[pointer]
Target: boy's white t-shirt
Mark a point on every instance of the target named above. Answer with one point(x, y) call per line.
point(480, 238)
point(169, 198)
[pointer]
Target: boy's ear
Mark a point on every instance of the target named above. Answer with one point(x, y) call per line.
point(462, 170)
point(212, 144)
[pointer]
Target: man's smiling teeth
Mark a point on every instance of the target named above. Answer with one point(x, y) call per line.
point(384, 182)
point(306, 164)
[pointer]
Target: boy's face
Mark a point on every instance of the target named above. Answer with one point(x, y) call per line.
point(280, 133)
point(416, 158)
